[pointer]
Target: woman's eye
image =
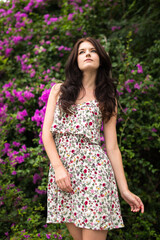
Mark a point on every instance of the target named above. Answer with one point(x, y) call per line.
point(93, 50)
point(81, 52)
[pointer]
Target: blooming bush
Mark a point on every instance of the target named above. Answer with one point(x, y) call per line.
point(36, 39)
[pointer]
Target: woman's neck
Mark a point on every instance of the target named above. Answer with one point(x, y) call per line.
point(89, 80)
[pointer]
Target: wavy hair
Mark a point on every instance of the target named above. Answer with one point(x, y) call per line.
point(105, 91)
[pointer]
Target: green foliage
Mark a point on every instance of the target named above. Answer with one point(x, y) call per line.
point(129, 32)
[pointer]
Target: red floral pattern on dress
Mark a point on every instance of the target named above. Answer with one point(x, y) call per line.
point(94, 203)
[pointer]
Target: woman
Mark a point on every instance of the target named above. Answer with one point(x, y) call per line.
point(82, 192)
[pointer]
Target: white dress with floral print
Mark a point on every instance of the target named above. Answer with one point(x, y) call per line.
point(94, 203)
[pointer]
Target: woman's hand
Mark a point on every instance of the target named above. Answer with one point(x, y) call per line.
point(133, 200)
point(63, 180)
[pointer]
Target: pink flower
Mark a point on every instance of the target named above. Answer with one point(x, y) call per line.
point(16, 144)
point(129, 81)
point(60, 48)
point(22, 114)
point(136, 85)
point(140, 70)
point(21, 130)
point(70, 16)
point(14, 173)
point(36, 177)
point(53, 19)
point(128, 88)
point(154, 130)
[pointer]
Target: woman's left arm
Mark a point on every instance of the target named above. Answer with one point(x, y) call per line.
point(114, 154)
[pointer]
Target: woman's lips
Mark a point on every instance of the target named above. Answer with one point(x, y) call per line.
point(88, 60)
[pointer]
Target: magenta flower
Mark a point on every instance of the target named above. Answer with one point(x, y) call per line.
point(23, 148)
point(16, 144)
point(19, 159)
point(119, 93)
point(17, 39)
point(22, 114)
point(8, 51)
point(14, 173)
point(70, 16)
point(140, 70)
point(48, 236)
point(40, 191)
point(46, 16)
point(38, 116)
point(115, 27)
point(24, 207)
point(36, 177)
point(125, 110)
point(7, 85)
point(136, 85)
point(129, 81)
point(128, 88)
point(154, 130)
point(6, 148)
point(53, 19)
point(18, 94)
point(21, 130)
point(28, 95)
point(60, 48)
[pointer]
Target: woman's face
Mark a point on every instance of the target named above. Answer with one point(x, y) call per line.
point(88, 59)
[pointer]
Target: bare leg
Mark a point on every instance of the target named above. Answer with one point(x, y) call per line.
point(89, 234)
point(75, 232)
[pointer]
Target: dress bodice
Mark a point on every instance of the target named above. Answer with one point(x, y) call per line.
point(86, 120)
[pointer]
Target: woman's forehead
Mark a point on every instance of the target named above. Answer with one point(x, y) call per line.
point(85, 45)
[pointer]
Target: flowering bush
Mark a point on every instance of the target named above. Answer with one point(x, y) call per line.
point(36, 39)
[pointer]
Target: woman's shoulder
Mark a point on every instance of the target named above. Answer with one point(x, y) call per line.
point(56, 88)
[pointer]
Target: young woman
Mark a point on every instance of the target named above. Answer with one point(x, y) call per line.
point(82, 190)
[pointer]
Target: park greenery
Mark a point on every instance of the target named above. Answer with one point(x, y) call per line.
point(36, 37)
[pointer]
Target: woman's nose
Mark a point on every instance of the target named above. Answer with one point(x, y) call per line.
point(87, 53)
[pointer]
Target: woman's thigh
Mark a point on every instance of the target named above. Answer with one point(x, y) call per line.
point(75, 232)
point(89, 234)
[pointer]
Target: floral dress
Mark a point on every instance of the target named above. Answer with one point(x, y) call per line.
point(94, 202)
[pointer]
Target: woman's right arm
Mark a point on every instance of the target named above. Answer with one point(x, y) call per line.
point(47, 137)
point(61, 174)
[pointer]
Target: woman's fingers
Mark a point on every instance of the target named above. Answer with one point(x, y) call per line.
point(63, 180)
point(134, 201)
point(68, 184)
point(141, 204)
point(65, 184)
point(137, 205)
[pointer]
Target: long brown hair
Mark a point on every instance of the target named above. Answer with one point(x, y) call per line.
point(105, 91)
